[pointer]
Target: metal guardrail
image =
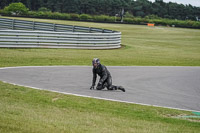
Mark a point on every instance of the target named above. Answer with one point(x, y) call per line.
point(28, 34)
point(47, 39)
point(14, 24)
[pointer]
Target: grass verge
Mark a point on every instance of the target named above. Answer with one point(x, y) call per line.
point(28, 110)
point(144, 46)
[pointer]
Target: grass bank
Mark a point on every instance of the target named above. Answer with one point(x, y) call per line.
point(28, 110)
point(143, 46)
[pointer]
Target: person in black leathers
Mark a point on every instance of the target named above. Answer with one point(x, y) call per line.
point(105, 77)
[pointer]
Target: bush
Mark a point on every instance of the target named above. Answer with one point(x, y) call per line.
point(42, 14)
point(56, 15)
point(85, 17)
point(160, 22)
point(74, 16)
point(33, 14)
point(66, 16)
point(2, 12)
point(118, 19)
point(128, 20)
point(137, 20)
point(150, 21)
point(37, 14)
point(16, 9)
point(190, 23)
point(169, 22)
point(128, 15)
point(104, 18)
point(49, 15)
point(110, 19)
point(99, 18)
point(63, 16)
point(180, 23)
point(196, 25)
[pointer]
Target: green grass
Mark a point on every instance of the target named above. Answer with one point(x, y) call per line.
point(28, 110)
point(144, 46)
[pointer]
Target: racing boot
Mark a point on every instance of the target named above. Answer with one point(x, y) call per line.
point(121, 88)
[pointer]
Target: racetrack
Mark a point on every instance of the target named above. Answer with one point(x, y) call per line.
point(173, 87)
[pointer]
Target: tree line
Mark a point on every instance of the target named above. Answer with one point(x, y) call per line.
point(138, 8)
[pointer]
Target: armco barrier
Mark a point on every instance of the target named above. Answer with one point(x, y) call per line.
point(28, 34)
point(47, 39)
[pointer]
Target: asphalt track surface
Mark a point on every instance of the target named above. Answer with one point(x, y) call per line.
point(173, 87)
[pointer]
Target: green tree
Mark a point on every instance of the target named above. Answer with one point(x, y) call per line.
point(16, 9)
point(139, 8)
point(43, 9)
point(3, 3)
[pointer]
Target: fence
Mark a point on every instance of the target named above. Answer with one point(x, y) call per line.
point(29, 34)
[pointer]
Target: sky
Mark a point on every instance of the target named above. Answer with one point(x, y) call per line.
point(192, 2)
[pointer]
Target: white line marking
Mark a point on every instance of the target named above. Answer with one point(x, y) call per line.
point(37, 67)
point(91, 66)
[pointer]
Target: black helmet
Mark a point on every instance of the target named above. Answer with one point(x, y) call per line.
point(95, 60)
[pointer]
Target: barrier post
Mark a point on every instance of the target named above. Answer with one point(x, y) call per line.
point(13, 24)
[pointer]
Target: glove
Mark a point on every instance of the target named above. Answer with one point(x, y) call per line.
point(92, 87)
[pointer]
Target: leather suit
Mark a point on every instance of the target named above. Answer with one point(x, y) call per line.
point(105, 78)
